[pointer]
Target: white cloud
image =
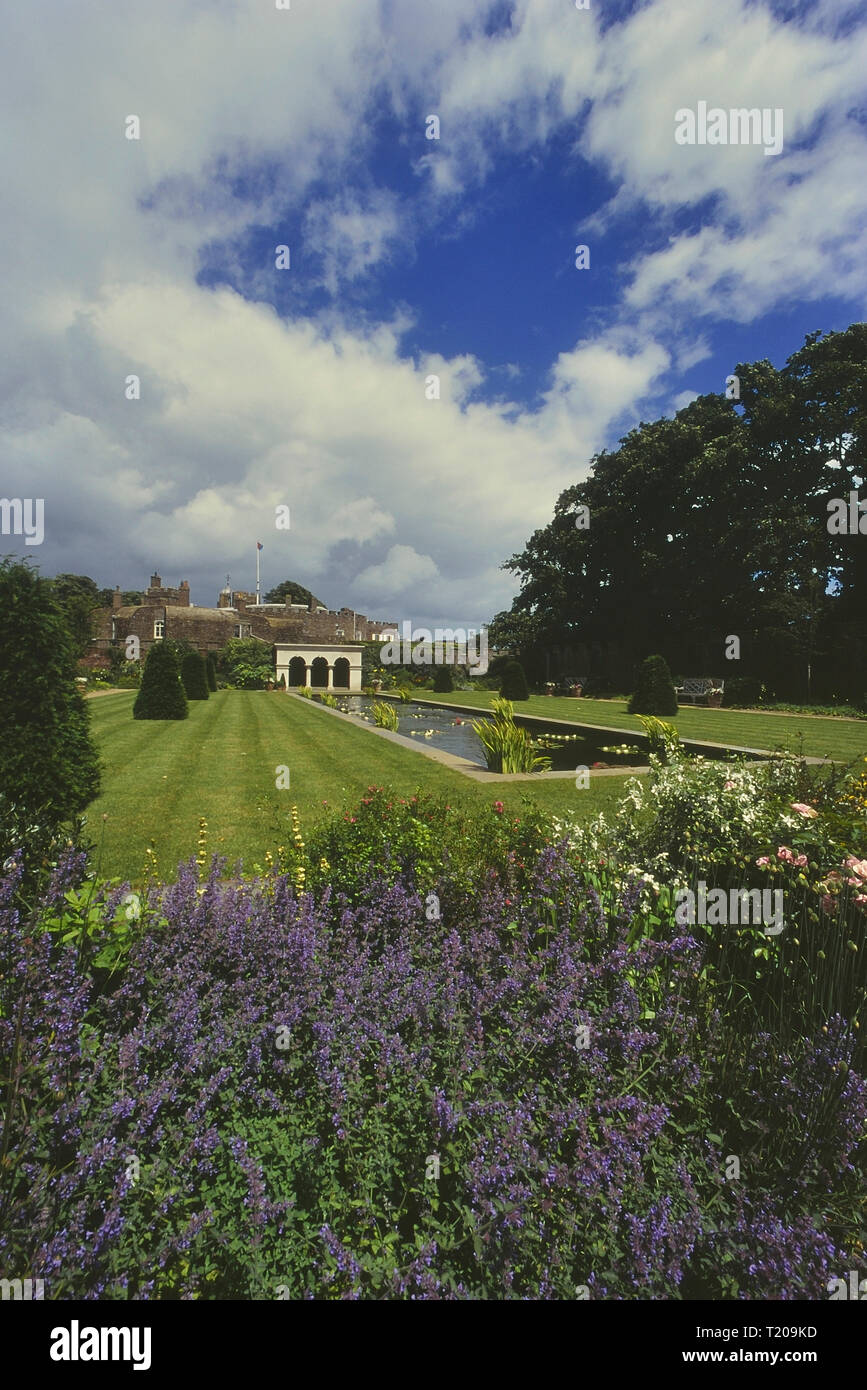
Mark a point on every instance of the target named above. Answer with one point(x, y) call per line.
point(403, 571)
point(244, 111)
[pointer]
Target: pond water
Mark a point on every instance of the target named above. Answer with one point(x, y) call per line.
point(435, 727)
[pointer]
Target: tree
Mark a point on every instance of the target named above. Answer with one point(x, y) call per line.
point(514, 683)
point(211, 663)
point(161, 694)
point(443, 680)
point(248, 662)
point(710, 524)
point(290, 592)
point(655, 692)
point(49, 770)
point(78, 597)
point(194, 676)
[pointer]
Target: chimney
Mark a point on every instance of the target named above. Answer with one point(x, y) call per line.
point(156, 582)
point(184, 589)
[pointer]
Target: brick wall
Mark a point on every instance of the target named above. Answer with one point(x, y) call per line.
point(209, 629)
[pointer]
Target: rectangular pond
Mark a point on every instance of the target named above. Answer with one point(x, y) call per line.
point(569, 746)
point(453, 732)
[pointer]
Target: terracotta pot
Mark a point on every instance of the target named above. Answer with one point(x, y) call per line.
point(714, 701)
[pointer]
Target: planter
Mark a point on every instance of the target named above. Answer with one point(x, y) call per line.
point(376, 686)
point(269, 685)
point(714, 701)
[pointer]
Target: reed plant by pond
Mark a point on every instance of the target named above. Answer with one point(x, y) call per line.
point(385, 716)
point(508, 747)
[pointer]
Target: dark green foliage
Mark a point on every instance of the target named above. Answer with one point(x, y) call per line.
point(443, 680)
point(281, 684)
point(78, 598)
point(290, 592)
point(655, 691)
point(514, 683)
point(161, 695)
point(194, 676)
point(745, 691)
point(647, 573)
point(211, 664)
point(247, 662)
point(49, 770)
point(371, 668)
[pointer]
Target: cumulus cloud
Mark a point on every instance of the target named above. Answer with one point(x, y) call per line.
point(258, 121)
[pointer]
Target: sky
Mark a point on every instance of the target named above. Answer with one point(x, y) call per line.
point(410, 258)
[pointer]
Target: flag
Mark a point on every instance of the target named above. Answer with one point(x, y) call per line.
point(259, 545)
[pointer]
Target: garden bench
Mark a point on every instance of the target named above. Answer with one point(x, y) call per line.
point(697, 688)
point(566, 683)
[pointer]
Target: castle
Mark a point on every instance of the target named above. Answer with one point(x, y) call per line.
point(306, 634)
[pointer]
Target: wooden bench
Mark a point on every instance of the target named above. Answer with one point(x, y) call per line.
point(696, 688)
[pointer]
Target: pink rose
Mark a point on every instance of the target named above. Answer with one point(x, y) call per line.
point(727, 786)
point(760, 863)
point(801, 860)
point(784, 853)
point(803, 810)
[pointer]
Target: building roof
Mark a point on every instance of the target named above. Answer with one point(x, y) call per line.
point(189, 614)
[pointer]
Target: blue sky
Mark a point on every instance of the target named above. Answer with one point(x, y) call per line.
point(409, 257)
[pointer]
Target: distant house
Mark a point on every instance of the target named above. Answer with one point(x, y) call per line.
point(294, 631)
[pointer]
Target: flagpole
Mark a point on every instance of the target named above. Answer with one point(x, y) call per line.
point(257, 574)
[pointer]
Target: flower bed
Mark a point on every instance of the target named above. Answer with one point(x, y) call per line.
point(465, 1064)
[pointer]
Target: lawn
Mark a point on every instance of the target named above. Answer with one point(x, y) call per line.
point(843, 739)
point(160, 776)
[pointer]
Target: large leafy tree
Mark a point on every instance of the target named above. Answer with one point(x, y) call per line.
point(49, 770)
point(79, 600)
point(710, 525)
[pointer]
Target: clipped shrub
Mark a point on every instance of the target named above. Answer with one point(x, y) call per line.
point(161, 694)
point(211, 663)
point(745, 691)
point(655, 691)
point(513, 685)
point(194, 675)
point(444, 680)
